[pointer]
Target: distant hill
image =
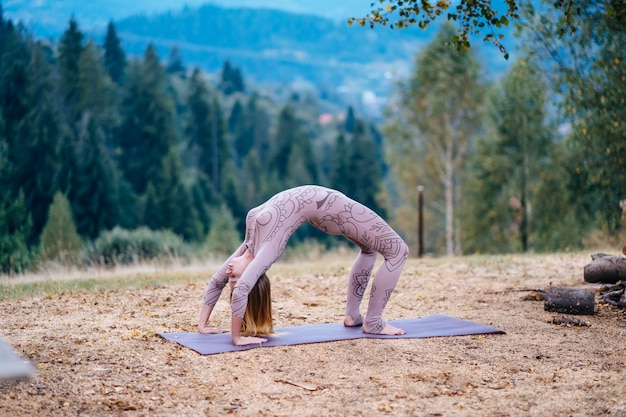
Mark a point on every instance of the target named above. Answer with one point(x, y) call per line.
point(276, 46)
point(48, 18)
point(303, 43)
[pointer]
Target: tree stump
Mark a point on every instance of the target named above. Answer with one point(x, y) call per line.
point(570, 301)
point(605, 268)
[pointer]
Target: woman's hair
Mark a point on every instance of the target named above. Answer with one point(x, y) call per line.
point(257, 320)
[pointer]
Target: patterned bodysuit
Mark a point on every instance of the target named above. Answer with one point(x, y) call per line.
point(269, 226)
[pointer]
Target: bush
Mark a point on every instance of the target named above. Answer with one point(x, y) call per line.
point(123, 247)
point(223, 237)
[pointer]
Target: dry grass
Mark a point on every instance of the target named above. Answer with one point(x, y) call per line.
point(97, 351)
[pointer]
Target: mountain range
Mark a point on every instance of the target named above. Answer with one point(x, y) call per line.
point(50, 17)
point(302, 44)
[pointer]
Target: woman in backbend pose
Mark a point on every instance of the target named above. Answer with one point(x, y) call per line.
point(268, 228)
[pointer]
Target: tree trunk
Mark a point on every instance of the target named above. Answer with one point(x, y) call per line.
point(570, 300)
point(605, 268)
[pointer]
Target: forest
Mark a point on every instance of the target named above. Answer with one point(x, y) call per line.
point(108, 158)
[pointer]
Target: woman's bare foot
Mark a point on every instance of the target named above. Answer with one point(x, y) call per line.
point(348, 321)
point(388, 330)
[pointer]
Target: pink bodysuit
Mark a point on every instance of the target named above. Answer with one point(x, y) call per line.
point(269, 226)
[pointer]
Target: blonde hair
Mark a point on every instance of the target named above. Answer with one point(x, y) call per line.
point(257, 320)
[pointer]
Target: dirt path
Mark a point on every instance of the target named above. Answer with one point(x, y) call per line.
point(97, 354)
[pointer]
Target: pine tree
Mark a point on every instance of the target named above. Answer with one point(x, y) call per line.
point(59, 239)
point(96, 110)
point(68, 154)
point(282, 145)
point(253, 188)
point(169, 203)
point(147, 130)
point(97, 189)
point(114, 55)
point(4, 29)
point(15, 230)
point(236, 116)
point(250, 126)
point(340, 170)
point(205, 130)
point(16, 55)
point(177, 206)
point(350, 123)
point(175, 64)
point(292, 157)
point(98, 105)
point(199, 123)
point(152, 214)
point(243, 135)
point(35, 151)
point(70, 50)
point(188, 223)
point(257, 120)
point(231, 195)
point(364, 175)
point(232, 80)
point(4, 167)
point(95, 90)
point(202, 196)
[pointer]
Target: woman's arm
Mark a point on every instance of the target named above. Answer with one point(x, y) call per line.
point(214, 291)
point(220, 278)
point(261, 262)
point(205, 313)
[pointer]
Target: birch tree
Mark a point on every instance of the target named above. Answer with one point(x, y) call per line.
point(438, 112)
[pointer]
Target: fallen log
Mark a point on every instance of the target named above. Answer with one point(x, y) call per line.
point(570, 301)
point(605, 268)
point(568, 321)
point(614, 295)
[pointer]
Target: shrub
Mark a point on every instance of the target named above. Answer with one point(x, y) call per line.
point(223, 237)
point(123, 247)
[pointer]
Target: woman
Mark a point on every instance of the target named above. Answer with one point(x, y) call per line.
point(268, 228)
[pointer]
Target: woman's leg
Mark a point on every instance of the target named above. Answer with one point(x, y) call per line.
point(396, 253)
point(359, 277)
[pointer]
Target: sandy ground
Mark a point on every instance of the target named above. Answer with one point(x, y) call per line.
point(98, 353)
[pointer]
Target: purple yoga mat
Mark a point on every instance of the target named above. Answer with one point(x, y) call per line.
point(435, 325)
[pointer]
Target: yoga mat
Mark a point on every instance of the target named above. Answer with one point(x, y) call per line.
point(435, 325)
point(12, 366)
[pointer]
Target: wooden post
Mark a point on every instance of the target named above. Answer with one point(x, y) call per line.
point(420, 221)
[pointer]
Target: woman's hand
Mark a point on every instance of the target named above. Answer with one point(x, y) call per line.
point(211, 330)
point(238, 339)
point(248, 340)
